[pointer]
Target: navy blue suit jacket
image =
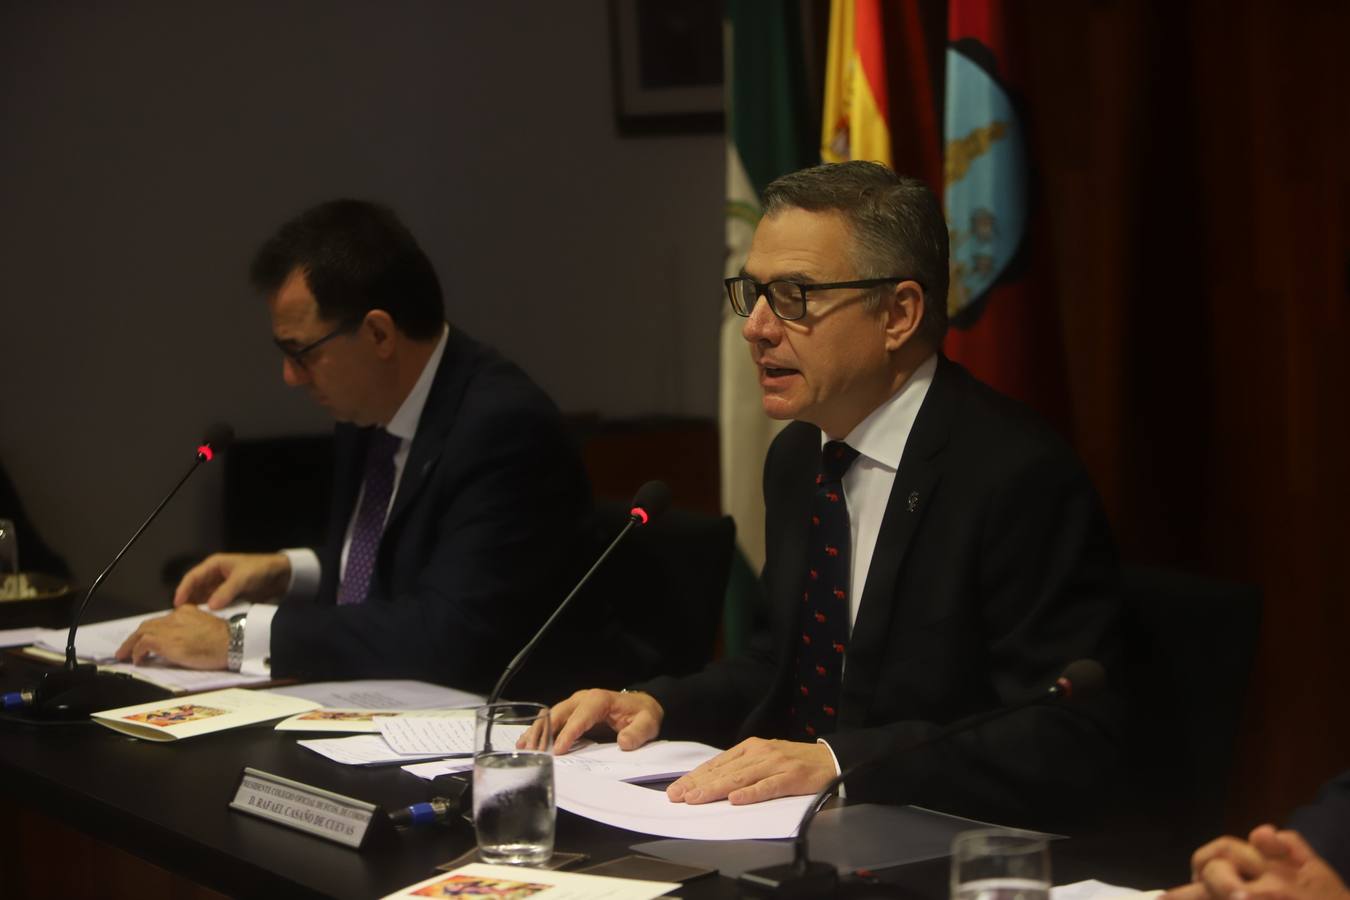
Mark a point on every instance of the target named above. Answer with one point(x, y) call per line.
point(998, 573)
point(474, 551)
point(1325, 824)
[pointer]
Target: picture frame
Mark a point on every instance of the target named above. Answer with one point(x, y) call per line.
point(667, 67)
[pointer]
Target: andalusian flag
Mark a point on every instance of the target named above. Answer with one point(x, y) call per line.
point(1005, 324)
point(770, 133)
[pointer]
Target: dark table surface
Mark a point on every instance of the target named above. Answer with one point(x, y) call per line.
point(168, 804)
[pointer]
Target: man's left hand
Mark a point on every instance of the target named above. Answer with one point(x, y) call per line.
point(186, 637)
point(756, 770)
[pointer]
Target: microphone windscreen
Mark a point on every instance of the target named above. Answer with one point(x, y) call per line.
point(652, 498)
point(1086, 677)
point(218, 437)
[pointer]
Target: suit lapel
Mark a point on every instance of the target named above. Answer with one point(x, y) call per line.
point(916, 484)
point(438, 415)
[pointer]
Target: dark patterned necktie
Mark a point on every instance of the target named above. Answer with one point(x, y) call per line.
point(378, 486)
point(825, 606)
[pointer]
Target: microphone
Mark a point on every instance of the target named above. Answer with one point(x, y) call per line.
point(650, 501)
point(74, 691)
point(1080, 680)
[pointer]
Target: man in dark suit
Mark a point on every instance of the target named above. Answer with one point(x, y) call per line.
point(933, 551)
point(456, 484)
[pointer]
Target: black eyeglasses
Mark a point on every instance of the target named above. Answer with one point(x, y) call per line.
point(787, 299)
point(297, 355)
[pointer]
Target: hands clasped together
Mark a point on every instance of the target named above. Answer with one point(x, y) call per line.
point(752, 771)
point(1270, 864)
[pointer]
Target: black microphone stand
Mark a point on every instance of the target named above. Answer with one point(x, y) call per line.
point(804, 877)
point(78, 689)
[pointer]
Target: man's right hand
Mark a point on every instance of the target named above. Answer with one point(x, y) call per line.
point(632, 715)
point(223, 578)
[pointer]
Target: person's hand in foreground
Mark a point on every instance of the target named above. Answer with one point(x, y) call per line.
point(1269, 865)
point(189, 637)
point(634, 717)
point(223, 578)
point(756, 770)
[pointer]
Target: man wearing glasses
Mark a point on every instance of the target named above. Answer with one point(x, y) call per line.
point(456, 488)
point(933, 552)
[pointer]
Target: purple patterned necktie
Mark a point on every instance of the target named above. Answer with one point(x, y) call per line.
point(378, 487)
point(824, 608)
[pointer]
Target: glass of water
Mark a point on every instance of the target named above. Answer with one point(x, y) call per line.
point(998, 864)
point(513, 801)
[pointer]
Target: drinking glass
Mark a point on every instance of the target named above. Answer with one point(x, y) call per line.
point(513, 802)
point(998, 864)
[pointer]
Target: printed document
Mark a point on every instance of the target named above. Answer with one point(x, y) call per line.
point(176, 718)
point(482, 880)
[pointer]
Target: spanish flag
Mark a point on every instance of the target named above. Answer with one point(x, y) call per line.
point(878, 73)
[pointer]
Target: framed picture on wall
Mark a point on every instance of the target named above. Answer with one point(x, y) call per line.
point(667, 64)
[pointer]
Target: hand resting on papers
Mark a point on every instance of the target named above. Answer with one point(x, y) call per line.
point(633, 716)
point(223, 578)
point(752, 771)
point(189, 637)
point(1270, 864)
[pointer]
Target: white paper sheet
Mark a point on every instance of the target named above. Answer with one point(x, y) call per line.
point(656, 761)
point(173, 678)
point(359, 721)
point(361, 750)
point(98, 641)
point(20, 637)
point(517, 881)
point(1098, 890)
point(383, 694)
point(651, 812)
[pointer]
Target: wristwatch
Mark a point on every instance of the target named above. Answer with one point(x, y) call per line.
point(234, 653)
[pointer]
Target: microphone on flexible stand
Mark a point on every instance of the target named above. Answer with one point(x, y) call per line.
point(76, 690)
point(802, 877)
point(650, 501)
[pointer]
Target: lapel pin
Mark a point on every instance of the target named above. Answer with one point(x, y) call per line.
point(913, 503)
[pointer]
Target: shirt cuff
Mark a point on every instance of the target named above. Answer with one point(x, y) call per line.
point(258, 640)
point(305, 573)
point(833, 758)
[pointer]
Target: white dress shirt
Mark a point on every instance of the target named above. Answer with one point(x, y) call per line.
point(305, 567)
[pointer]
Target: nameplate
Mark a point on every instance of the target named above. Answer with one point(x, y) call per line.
point(304, 807)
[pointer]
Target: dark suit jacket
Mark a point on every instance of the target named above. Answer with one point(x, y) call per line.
point(470, 562)
point(1001, 574)
point(1325, 824)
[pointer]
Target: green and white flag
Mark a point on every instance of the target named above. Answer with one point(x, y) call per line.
point(770, 132)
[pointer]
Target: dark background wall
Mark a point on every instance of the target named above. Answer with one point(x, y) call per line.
point(1192, 171)
point(146, 148)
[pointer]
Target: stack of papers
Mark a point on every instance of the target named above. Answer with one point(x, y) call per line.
point(656, 761)
point(97, 642)
point(402, 738)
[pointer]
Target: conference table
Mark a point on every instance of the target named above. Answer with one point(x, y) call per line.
point(167, 804)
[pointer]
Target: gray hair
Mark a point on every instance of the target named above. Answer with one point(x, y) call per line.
point(896, 223)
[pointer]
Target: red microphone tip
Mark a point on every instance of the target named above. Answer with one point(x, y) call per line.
point(205, 452)
point(638, 512)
